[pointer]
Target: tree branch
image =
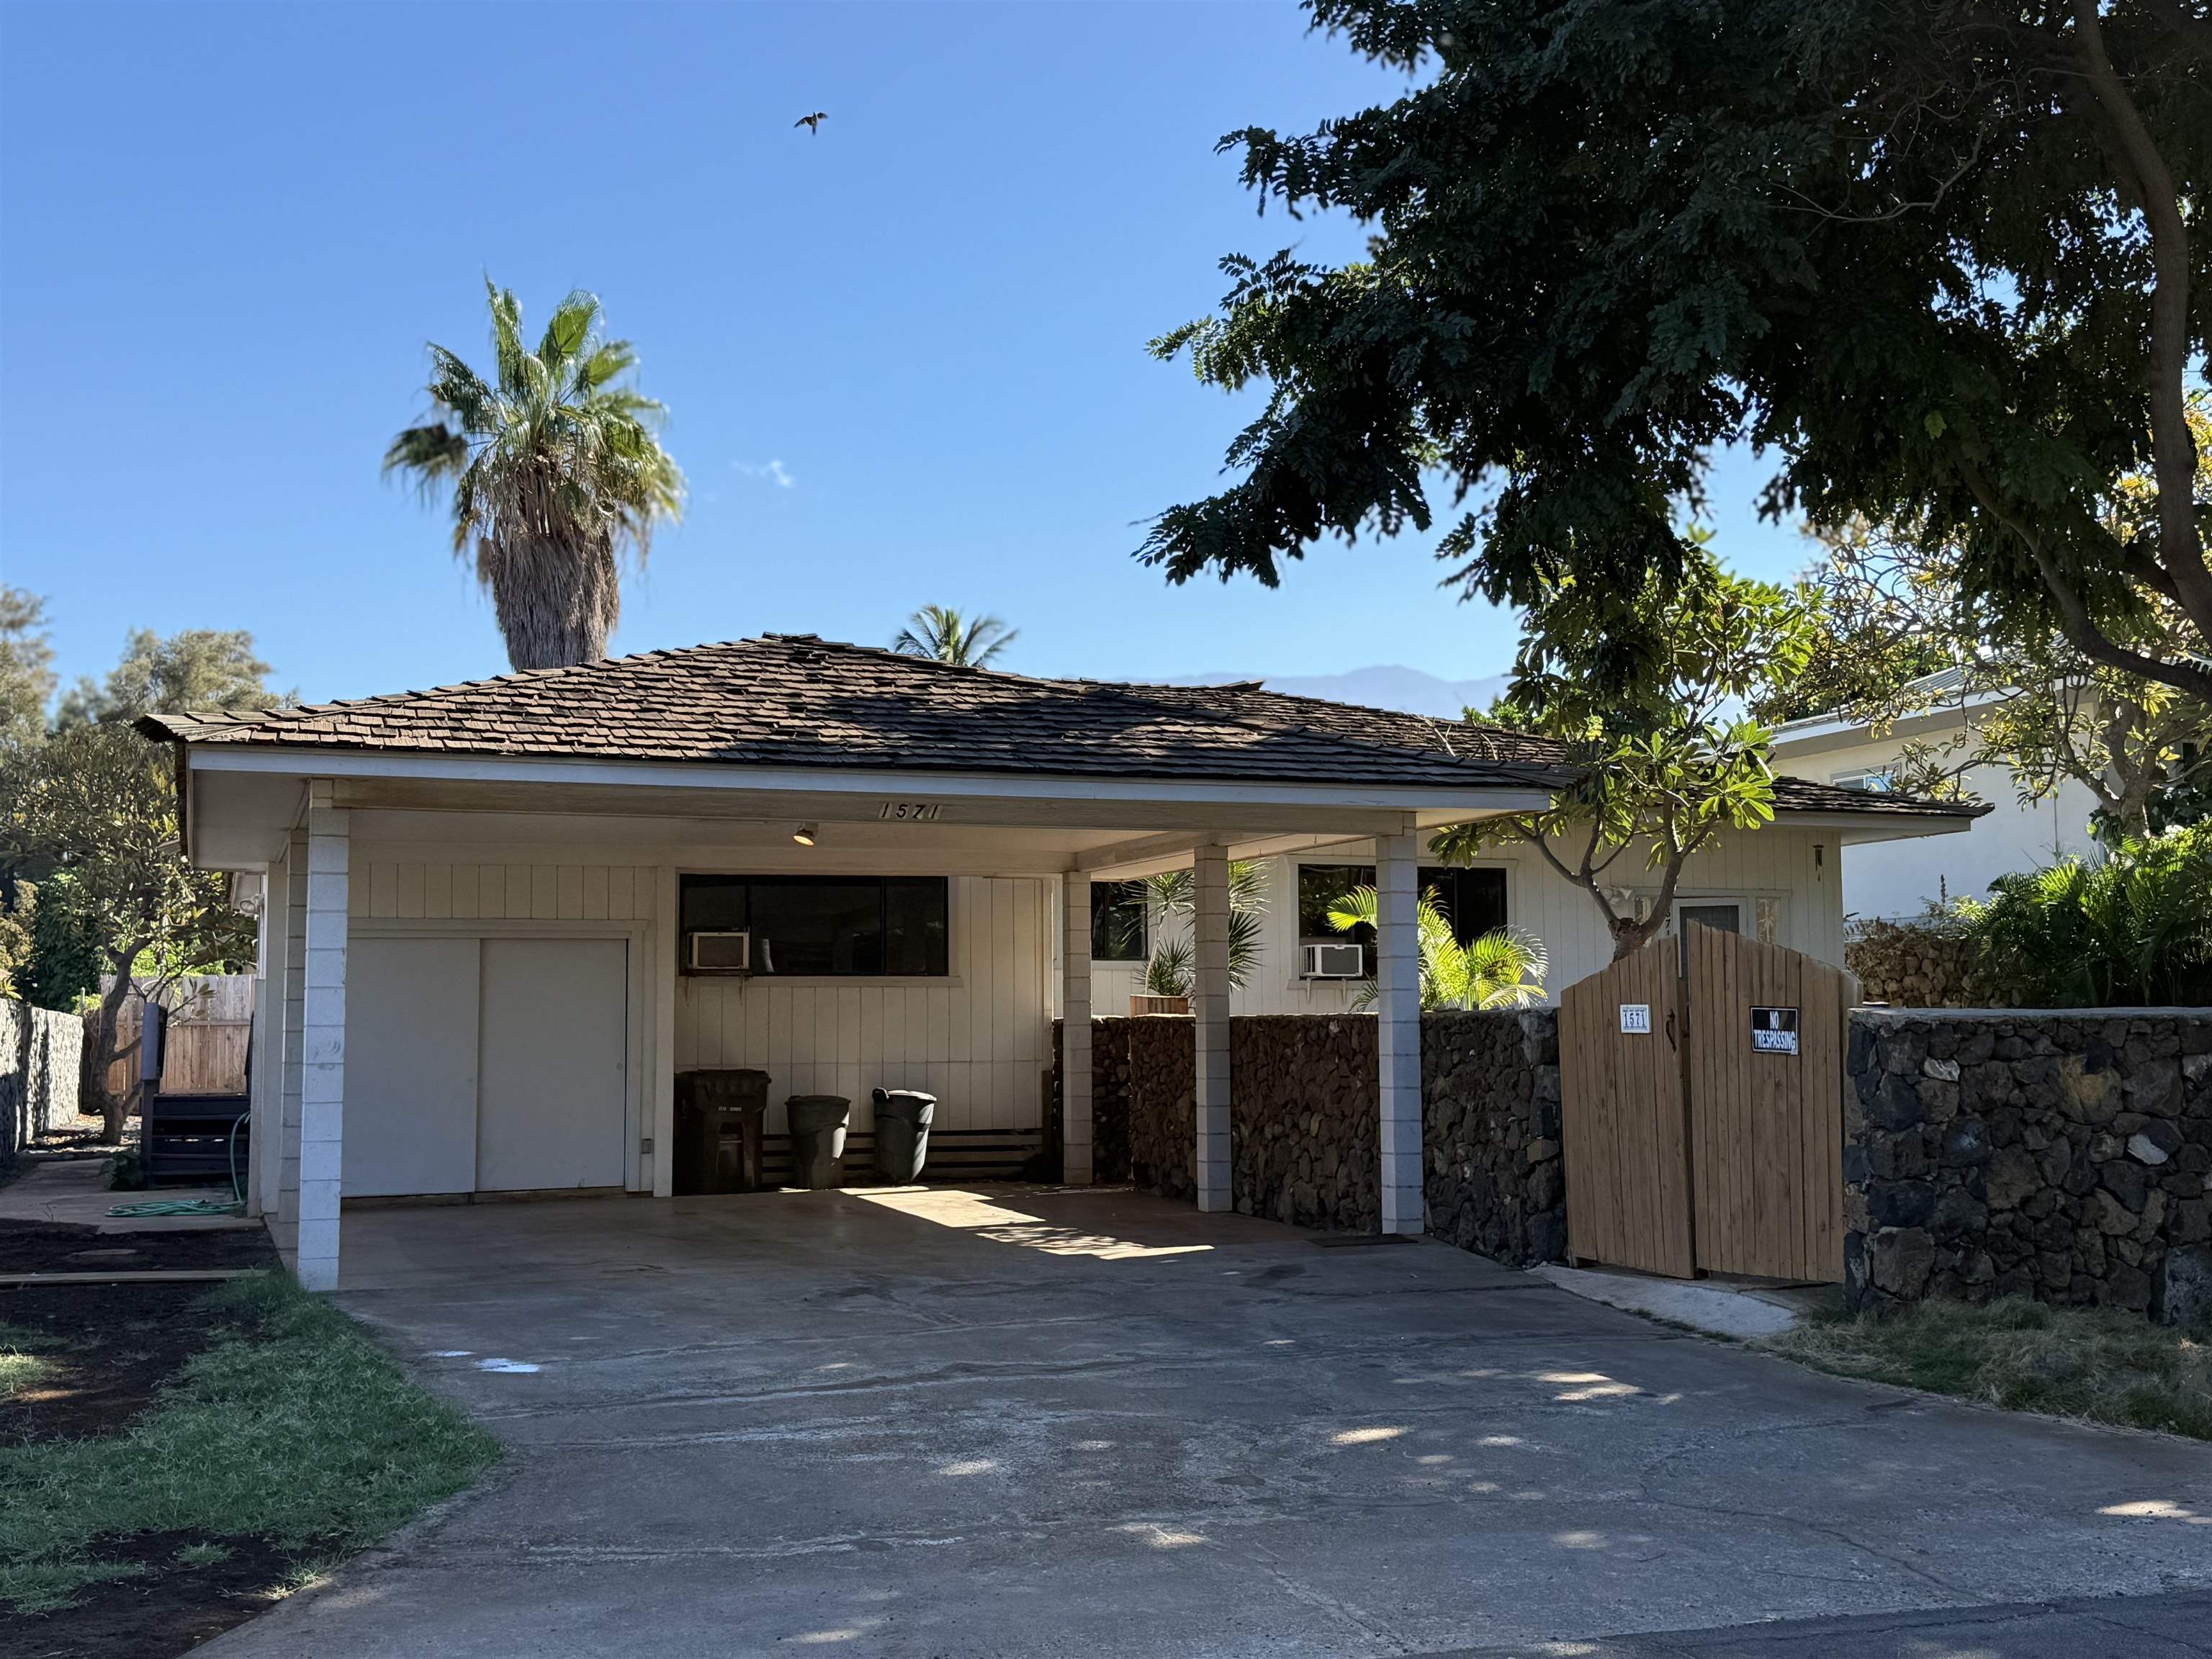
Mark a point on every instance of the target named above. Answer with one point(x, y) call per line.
point(2079, 627)
point(2134, 154)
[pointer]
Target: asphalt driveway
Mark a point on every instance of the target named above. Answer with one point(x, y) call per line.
point(1023, 1422)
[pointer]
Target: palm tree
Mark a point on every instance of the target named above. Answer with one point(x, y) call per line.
point(557, 475)
point(1501, 969)
point(1175, 893)
point(940, 632)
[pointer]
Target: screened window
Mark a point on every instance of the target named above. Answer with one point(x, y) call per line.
point(1117, 921)
point(833, 926)
point(1473, 899)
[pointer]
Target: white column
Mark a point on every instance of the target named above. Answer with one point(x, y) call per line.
point(1398, 1035)
point(1209, 1001)
point(660, 1098)
point(1075, 1140)
point(291, 995)
point(261, 1086)
point(322, 1042)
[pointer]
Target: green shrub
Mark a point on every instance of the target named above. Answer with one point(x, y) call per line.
point(2134, 929)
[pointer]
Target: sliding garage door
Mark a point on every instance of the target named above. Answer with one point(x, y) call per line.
point(549, 1101)
point(411, 1066)
point(485, 1065)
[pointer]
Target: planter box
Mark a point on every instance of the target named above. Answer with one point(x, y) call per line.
point(1146, 1004)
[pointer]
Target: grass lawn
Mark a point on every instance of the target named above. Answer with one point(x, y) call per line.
point(290, 1430)
point(2098, 1364)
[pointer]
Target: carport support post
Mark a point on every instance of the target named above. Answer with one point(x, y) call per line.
point(291, 893)
point(1398, 1033)
point(1210, 1003)
point(322, 1047)
point(1075, 1144)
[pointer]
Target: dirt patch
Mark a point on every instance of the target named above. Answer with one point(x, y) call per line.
point(105, 1349)
point(169, 1604)
point(45, 1247)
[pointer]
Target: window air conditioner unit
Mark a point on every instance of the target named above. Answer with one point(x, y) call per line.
point(1335, 961)
point(720, 953)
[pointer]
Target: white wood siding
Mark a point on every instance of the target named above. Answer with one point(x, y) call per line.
point(980, 1040)
point(1777, 864)
point(476, 892)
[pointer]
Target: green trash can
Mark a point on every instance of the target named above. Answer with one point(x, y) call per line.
point(818, 1123)
point(902, 1134)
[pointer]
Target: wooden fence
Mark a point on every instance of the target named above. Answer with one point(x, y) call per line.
point(1702, 1111)
point(203, 1051)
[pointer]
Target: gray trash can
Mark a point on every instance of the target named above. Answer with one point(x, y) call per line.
point(817, 1138)
point(902, 1133)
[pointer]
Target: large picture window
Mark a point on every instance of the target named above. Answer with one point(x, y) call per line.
point(829, 926)
point(1117, 921)
point(1475, 899)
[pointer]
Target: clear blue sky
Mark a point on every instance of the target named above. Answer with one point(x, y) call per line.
point(904, 359)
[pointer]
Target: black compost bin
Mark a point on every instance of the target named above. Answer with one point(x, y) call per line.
point(818, 1123)
point(902, 1133)
point(714, 1108)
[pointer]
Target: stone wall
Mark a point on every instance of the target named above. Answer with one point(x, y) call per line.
point(1915, 965)
point(39, 1060)
point(2063, 1155)
point(1304, 1122)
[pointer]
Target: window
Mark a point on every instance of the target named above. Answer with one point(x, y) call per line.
point(1873, 782)
point(1473, 899)
point(833, 926)
point(1117, 921)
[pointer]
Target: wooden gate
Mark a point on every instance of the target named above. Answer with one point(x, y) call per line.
point(1624, 1136)
point(1702, 1116)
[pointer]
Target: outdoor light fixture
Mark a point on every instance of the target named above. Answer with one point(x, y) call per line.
point(803, 834)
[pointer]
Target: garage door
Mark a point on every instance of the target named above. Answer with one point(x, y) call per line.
point(553, 1073)
point(485, 1065)
point(411, 1066)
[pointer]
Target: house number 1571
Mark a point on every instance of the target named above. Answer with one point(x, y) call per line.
point(910, 812)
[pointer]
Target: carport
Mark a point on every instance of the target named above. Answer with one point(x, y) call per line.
point(1021, 1422)
point(474, 901)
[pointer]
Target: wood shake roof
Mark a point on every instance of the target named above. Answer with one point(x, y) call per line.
point(790, 700)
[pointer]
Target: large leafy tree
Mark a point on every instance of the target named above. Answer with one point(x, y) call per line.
point(946, 634)
point(100, 803)
point(1944, 259)
point(98, 886)
point(1664, 763)
point(1891, 598)
point(27, 664)
point(557, 474)
point(193, 668)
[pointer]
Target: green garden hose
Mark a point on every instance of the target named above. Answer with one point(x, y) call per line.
point(160, 1206)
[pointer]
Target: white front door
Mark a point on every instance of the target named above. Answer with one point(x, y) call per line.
point(411, 1066)
point(553, 1079)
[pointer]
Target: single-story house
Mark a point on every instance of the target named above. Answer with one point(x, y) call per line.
point(1897, 880)
point(500, 917)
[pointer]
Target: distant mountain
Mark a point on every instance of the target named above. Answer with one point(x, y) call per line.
point(1385, 686)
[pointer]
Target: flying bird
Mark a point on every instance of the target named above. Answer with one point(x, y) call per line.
point(812, 123)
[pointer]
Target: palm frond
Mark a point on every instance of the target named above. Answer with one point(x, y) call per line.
point(559, 478)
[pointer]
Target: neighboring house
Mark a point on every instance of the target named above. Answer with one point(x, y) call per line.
point(1897, 879)
point(486, 902)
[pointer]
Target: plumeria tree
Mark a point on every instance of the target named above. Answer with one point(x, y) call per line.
point(1664, 763)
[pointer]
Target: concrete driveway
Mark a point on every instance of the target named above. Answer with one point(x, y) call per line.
point(1029, 1422)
